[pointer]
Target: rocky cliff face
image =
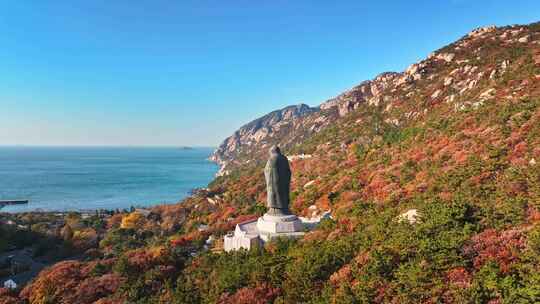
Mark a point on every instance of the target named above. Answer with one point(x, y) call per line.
point(262, 132)
point(369, 91)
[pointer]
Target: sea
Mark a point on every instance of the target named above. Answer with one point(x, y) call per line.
point(91, 178)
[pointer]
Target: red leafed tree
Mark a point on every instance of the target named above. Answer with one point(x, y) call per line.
point(344, 274)
point(8, 297)
point(55, 283)
point(67, 282)
point(500, 247)
point(92, 289)
point(260, 294)
point(459, 277)
point(518, 153)
point(110, 301)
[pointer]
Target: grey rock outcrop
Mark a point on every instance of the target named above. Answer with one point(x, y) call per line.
point(368, 91)
point(258, 132)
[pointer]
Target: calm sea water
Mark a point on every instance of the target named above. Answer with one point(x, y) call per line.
point(94, 178)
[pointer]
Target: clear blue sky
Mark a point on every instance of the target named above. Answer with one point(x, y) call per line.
point(158, 72)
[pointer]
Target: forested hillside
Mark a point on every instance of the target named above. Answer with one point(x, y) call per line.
point(455, 139)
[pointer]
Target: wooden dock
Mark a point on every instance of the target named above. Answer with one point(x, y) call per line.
point(12, 202)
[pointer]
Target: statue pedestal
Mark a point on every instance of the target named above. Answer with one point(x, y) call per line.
point(254, 233)
point(275, 224)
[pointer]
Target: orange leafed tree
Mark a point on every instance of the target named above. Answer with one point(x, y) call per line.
point(133, 220)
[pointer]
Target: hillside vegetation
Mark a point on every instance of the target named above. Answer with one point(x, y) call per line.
point(455, 137)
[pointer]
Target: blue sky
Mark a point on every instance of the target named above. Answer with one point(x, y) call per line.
point(191, 72)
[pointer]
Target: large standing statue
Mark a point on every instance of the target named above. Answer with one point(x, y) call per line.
point(278, 179)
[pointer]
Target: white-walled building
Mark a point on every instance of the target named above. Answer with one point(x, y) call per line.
point(10, 284)
point(254, 233)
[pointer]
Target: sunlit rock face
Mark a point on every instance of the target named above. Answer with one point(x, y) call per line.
point(261, 133)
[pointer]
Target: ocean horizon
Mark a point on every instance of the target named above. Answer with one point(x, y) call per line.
point(77, 178)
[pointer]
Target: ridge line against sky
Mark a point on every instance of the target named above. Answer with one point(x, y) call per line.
point(83, 146)
point(183, 73)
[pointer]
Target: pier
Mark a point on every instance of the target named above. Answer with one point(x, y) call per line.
point(12, 202)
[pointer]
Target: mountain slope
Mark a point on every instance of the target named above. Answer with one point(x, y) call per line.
point(387, 88)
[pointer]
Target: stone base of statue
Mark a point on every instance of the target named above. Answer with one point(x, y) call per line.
point(254, 233)
point(275, 226)
point(279, 224)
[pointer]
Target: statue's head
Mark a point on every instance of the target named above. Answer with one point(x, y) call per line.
point(275, 150)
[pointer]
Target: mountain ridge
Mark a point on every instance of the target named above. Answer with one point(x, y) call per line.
point(235, 149)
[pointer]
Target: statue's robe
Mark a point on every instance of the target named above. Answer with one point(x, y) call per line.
point(278, 178)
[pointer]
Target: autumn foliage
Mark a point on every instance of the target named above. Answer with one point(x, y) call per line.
point(466, 161)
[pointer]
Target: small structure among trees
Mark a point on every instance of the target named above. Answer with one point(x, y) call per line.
point(10, 284)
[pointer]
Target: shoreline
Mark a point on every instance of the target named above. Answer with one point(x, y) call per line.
point(191, 192)
point(178, 180)
point(89, 211)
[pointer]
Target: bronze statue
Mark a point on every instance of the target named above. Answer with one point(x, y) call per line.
point(278, 179)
